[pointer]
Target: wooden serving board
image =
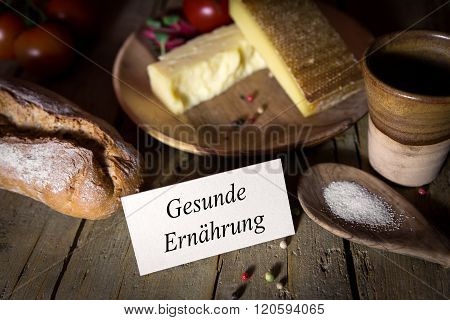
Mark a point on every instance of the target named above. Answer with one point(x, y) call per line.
point(208, 128)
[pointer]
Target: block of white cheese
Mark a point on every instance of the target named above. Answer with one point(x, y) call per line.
point(302, 50)
point(203, 68)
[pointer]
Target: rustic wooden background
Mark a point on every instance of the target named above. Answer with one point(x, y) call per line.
point(45, 255)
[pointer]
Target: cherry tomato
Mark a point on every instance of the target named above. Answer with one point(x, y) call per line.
point(41, 50)
point(205, 15)
point(79, 15)
point(10, 27)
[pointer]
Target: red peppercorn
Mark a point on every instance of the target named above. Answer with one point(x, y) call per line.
point(252, 119)
point(422, 191)
point(245, 276)
point(250, 98)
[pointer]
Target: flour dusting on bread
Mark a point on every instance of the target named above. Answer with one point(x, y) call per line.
point(48, 165)
point(72, 161)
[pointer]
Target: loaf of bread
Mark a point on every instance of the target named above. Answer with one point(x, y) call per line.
point(56, 153)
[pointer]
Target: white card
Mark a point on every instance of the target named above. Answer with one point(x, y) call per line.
point(205, 217)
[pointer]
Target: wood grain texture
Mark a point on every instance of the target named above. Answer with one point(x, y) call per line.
point(415, 235)
point(208, 128)
point(43, 240)
point(41, 271)
point(95, 266)
point(317, 260)
point(106, 267)
point(96, 259)
point(386, 275)
point(256, 261)
point(103, 265)
point(194, 280)
point(313, 265)
point(32, 238)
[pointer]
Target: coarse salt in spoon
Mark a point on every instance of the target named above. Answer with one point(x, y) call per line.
point(355, 205)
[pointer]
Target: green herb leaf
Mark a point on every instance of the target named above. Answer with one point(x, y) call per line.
point(162, 40)
point(161, 37)
point(153, 23)
point(170, 20)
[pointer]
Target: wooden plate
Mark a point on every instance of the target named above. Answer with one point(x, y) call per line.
point(208, 128)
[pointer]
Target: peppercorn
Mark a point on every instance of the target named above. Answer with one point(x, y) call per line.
point(250, 98)
point(261, 109)
point(252, 119)
point(245, 276)
point(269, 276)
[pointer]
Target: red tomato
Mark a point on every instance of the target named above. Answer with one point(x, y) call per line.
point(79, 15)
point(41, 50)
point(10, 27)
point(206, 15)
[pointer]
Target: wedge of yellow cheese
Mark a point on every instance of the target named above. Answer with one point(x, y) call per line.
point(305, 54)
point(203, 68)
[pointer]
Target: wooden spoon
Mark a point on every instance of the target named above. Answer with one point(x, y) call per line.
point(415, 235)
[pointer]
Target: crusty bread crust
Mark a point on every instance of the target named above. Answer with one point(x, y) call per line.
point(54, 152)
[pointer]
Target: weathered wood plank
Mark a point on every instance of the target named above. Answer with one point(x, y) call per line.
point(257, 260)
point(116, 276)
point(104, 267)
point(96, 262)
point(46, 261)
point(32, 238)
point(313, 266)
point(190, 281)
point(45, 255)
point(317, 259)
point(196, 280)
point(381, 274)
point(49, 236)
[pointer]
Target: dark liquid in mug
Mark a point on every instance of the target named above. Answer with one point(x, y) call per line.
point(412, 74)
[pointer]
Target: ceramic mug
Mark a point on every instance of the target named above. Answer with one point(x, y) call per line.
point(407, 79)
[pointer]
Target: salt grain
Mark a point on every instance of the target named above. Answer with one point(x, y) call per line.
point(355, 204)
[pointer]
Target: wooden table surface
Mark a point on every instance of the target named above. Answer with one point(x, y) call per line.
point(46, 255)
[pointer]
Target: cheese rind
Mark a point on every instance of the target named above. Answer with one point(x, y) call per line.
point(302, 50)
point(203, 68)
